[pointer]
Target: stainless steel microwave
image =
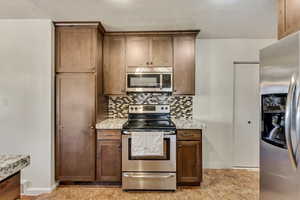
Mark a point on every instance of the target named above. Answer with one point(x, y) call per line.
point(149, 79)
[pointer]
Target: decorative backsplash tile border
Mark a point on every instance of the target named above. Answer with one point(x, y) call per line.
point(181, 106)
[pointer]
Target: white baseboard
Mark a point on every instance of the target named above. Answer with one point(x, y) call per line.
point(216, 165)
point(32, 191)
point(256, 169)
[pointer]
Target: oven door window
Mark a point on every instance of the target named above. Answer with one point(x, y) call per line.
point(143, 80)
point(166, 155)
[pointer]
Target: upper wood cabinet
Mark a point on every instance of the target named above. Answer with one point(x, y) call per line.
point(149, 49)
point(75, 132)
point(184, 64)
point(153, 51)
point(76, 48)
point(288, 17)
point(114, 65)
point(137, 51)
point(161, 51)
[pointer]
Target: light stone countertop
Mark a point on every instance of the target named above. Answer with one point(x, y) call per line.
point(11, 164)
point(189, 124)
point(111, 124)
point(180, 124)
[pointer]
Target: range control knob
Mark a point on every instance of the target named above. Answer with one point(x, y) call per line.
point(161, 108)
point(166, 108)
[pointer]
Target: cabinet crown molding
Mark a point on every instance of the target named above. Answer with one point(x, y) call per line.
point(175, 32)
point(95, 24)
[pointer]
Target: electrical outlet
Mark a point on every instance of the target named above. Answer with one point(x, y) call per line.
point(24, 185)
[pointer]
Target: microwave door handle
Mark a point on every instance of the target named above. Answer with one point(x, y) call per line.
point(161, 81)
point(288, 120)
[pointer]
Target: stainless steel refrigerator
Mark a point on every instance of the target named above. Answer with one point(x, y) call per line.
point(280, 120)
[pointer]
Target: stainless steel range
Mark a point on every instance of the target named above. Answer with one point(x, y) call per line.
point(149, 172)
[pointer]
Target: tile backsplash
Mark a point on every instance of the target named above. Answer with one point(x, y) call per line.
point(181, 106)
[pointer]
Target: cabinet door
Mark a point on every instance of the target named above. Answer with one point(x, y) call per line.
point(10, 188)
point(281, 27)
point(75, 136)
point(137, 51)
point(189, 158)
point(288, 17)
point(76, 49)
point(109, 160)
point(292, 15)
point(114, 65)
point(184, 65)
point(161, 51)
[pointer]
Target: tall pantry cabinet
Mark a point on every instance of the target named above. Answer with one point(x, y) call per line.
point(78, 49)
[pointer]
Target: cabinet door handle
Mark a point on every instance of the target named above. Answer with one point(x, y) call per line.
point(151, 63)
point(92, 127)
point(187, 134)
point(147, 63)
point(179, 145)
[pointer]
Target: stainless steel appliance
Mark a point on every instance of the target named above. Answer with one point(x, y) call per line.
point(149, 79)
point(149, 172)
point(280, 117)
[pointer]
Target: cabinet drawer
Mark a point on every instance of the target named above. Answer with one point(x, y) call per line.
point(108, 134)
point(148, 181)
point(189, 134)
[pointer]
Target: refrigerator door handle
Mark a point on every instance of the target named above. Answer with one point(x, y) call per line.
point(288, 119)
point(298, 119)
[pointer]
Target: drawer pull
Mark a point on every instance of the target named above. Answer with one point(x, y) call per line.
point(188, 135)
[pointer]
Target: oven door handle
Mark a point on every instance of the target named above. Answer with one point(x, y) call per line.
point(148, 176)
point(165, 133)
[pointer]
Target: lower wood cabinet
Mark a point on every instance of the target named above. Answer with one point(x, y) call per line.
point(108, 156)
point(10, 188)
point(189, 157)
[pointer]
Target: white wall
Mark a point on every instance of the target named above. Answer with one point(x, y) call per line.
point(26, 97)
point(214, 93)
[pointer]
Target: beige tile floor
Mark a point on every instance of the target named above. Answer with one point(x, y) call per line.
point(217, 185)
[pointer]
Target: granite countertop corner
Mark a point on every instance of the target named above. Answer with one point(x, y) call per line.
point(189, 124)
point(11, 164)
point(111, 124)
